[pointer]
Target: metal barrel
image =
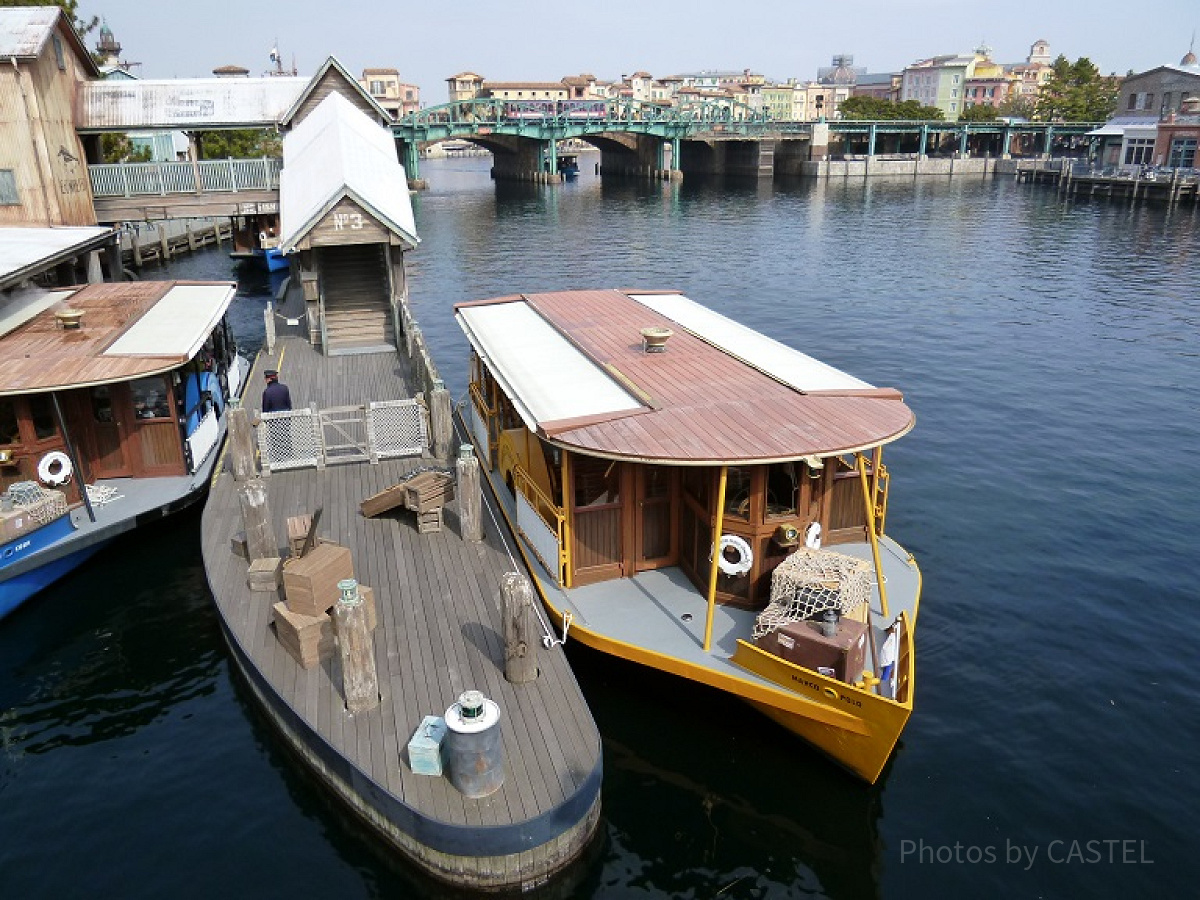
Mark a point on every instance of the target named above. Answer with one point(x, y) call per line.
point(474, 753)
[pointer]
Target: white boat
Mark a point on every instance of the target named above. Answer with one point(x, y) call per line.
point(695, 496)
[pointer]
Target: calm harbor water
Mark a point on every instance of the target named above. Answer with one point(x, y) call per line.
point(1050, 352)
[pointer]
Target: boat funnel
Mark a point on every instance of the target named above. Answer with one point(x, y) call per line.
point(654, 339)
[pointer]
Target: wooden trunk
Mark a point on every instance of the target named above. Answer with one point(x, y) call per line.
point(310, 582)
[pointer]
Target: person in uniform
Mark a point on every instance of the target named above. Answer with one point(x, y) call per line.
point(276, 397)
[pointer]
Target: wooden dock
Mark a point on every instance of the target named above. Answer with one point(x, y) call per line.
point(1169, 187)
point(439, 633)
point(157, 242)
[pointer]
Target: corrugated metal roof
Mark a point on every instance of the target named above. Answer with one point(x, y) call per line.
point(186, 103)
point(24, 249)
point(24, 29)
point(335, 152)
point(1120, 124)
point(781, 362)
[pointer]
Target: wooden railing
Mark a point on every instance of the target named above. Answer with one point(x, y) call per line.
point(162, 178)
point(551, 515)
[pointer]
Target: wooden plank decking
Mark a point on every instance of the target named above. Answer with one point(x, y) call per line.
point(439, 633)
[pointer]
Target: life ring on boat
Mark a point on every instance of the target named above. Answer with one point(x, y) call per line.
point(55, 468)
point(745, 556)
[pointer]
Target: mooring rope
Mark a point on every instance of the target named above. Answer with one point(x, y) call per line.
point(549, 640)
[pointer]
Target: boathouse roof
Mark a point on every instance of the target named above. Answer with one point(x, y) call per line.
point(574, 365)
point(24, 31)
point(337, 152)
point(128, 330)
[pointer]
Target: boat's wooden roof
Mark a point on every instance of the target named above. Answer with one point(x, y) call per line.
point(39, 355)
point(700, 404)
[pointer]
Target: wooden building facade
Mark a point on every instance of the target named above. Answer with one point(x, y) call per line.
point(43, 167)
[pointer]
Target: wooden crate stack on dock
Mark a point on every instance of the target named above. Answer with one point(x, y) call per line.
point(310, 585)
point(425, 493)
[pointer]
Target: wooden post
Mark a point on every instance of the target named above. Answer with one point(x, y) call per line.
point(256, 518)
point(360, 683)
point(164, 243)
point(440, 420)
point(136, 242)
point(470, 497)
point(191, 235)
point(241, 444)
point(520, 630)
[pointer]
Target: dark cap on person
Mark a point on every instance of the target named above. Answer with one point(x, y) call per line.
point(271, 373)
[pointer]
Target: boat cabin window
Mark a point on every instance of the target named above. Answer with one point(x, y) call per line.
point(10, 427)
point(150, 398)
point(102, 408)
point(697, 483)
point(782, 489)
point(597, 481)
point(737, 493)
point(41, 411)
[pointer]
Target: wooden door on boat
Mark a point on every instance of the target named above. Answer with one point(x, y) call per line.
point(108, 431)
point(656, 489)
point(596, 519)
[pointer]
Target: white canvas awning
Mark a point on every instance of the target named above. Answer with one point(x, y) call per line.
point(178, 324)
point(781, 362)
point(545, 375)
point(27, 251)
point(1131, 126)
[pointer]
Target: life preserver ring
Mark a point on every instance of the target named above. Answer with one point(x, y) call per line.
point(55, 468)
point(745, 556)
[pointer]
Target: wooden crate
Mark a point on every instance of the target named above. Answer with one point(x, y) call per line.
point(310, 582)
point(297, 531)
point(265, 574)
point(309, 639)
point(388, 498)
point(426, 491)
point(429, 521)
point(426, 748)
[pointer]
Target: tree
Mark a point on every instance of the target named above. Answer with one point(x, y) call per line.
point(241, 143)
point(1017, 106)
point(863, 108)
point(1077, 92)
point(117, 148)
point(980, 112)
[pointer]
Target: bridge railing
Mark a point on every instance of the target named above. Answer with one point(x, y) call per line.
point(208, 175)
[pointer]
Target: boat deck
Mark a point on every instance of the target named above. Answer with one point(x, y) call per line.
point(439, 633)
point(662, 610)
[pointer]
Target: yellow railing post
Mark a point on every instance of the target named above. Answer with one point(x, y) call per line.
point(716, 559)
point(869, 507)
point(568, 578)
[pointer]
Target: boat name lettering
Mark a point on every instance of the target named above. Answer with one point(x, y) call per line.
point(829, 692)
point(24, 545)
point(347, 220)
point(72, 186)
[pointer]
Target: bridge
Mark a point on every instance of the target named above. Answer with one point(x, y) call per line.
point(647, 139)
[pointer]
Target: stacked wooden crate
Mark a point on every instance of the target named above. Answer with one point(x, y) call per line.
point(302, 621)
point(426, 494)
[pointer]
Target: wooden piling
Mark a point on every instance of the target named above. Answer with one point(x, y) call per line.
point(470, 496)
point(136, 243)
point(256, 518)
point(520, 629)
point(360, 684)
point(441, 421)
point(241, 445)
point(164, 244)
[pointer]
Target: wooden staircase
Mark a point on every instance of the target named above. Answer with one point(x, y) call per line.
point(358, 316)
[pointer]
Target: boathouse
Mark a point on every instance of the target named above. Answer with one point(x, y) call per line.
point(346, 215)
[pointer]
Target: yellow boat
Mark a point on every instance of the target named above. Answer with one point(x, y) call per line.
point(697, 497)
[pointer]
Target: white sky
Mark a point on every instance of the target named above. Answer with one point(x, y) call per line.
point(544, 40)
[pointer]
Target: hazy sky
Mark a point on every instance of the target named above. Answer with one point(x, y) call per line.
point(535, 40)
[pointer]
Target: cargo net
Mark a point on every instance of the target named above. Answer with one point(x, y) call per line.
point(811, 581)
point(43, 505)
point(287, 440)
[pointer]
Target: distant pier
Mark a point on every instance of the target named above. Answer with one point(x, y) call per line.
point(1139, 183)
